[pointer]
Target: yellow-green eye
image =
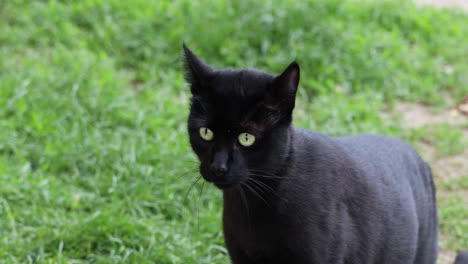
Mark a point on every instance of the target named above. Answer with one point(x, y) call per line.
point(246, 139)
point(206, 133)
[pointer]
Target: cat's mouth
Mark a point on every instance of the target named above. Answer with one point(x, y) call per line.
point(224, 185)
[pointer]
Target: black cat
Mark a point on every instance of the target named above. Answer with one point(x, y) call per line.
point(295, 196)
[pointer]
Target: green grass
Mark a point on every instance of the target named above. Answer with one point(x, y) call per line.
point(94, 157)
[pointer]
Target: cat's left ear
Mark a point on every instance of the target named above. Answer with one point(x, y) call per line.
point(284, 88)
point(197, 72)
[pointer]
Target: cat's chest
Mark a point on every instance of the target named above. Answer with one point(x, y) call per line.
point(258, 239)
point(260, 233)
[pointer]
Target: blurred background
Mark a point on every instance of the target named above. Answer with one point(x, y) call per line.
point(95, 165)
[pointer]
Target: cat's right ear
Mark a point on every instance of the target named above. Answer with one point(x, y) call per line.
point(283, 90)
point(197, 73)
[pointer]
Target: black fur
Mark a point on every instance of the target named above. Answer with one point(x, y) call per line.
point(297, 196)
point(462, 258)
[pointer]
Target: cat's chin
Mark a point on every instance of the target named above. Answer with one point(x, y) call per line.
point(224, 186)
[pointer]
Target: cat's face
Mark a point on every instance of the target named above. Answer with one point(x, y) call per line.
point(239, 119)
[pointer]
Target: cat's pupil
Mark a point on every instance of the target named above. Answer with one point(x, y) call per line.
point(206, 131)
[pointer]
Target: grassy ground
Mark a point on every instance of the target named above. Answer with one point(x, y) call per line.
point(94, 159)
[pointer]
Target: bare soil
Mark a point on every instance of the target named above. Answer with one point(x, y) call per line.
point(418, 115)
point(445, 3)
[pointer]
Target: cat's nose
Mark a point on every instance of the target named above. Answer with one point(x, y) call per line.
point(219, 169)
point(219, 165)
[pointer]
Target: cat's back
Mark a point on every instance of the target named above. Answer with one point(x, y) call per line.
point(369, 152)
point(374, 160)
point(379, 160)
point(386, 181)
point(392, 164)
point(388, 159)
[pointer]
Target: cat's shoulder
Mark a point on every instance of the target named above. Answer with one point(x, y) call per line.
point(306, 138)
point(317, 145)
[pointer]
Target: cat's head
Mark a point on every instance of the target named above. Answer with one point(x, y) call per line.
point(239, 119)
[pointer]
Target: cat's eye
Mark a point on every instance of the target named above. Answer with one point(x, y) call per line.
point(246, 139)
point(206, 133)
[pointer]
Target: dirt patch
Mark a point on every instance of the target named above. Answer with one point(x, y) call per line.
point(452, 166)
point(445, 3)
point(427, 151)
point(446, 257)
point(417, 115)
